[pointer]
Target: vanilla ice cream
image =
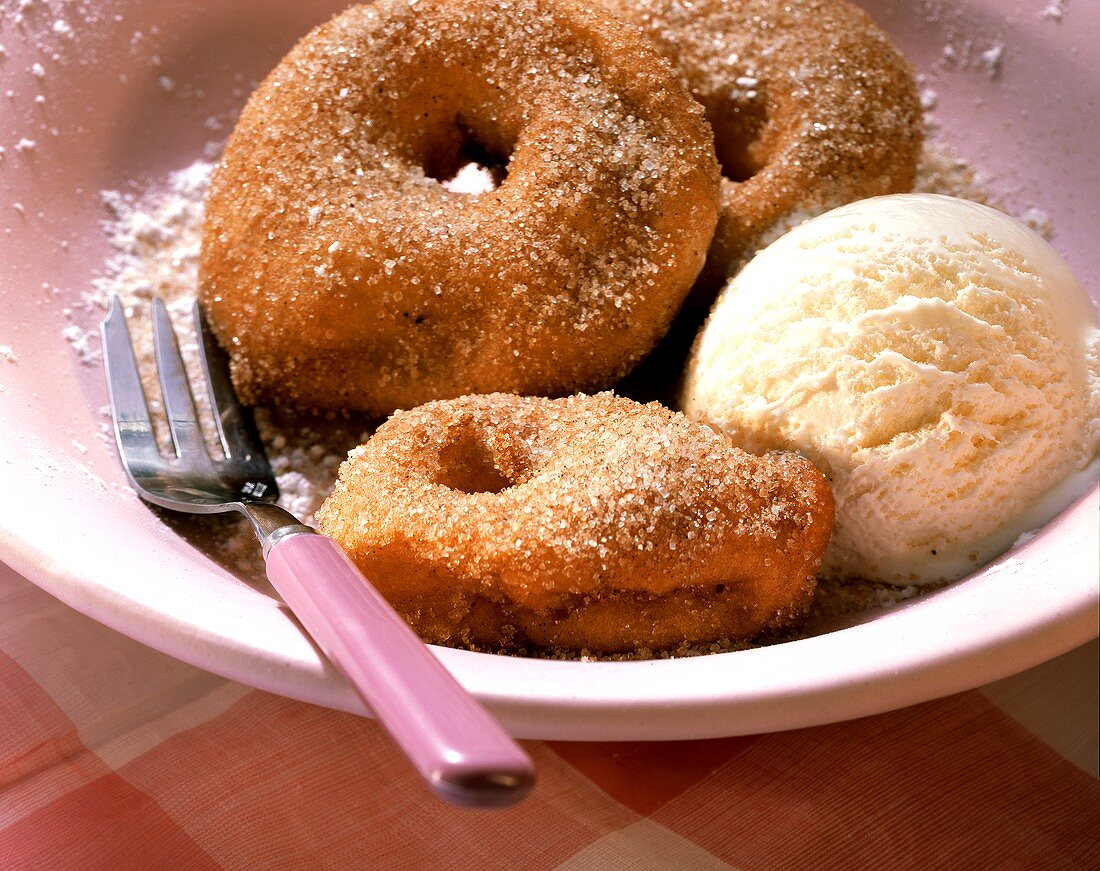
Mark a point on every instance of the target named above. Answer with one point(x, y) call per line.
point(936, 359)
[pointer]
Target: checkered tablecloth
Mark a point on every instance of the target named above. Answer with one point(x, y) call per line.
point(114, 756)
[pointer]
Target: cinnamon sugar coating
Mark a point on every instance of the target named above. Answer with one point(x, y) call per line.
point(811, 105)
point(585, 522)
point(340, 272)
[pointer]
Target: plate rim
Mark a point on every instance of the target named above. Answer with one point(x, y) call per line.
point(692, 710)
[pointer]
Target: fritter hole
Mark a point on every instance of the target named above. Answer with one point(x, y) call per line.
point(456, 151)
point(737, 130)
point(467, 465)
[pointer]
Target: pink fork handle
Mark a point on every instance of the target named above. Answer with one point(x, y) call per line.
point(463, 753)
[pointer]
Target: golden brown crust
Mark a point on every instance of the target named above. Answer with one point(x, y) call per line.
point(811, 105)
point(340, 274)
point(590, 521)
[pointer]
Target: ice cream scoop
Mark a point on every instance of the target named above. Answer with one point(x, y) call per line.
point(934, 357)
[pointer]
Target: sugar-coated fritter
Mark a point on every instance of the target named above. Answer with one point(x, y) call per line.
point(812, 107)
point(587, 522)
point(340, 272)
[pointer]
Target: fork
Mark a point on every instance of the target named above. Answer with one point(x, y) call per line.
point(465, 756)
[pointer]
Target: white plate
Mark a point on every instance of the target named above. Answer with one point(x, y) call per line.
point(69, 522)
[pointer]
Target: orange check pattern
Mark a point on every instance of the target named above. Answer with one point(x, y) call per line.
point(113, 756)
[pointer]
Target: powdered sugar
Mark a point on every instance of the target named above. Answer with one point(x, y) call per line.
point(83, 342)
point(471, 179)
point(992, 58)
point(155, 239)
point(965, 55)
point(1054, 11)
point(1039, 221)
point(1024, 539)
point(942, 170)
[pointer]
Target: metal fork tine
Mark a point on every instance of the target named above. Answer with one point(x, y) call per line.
point(235, 426)
point(133, 427)
point(179, 405)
